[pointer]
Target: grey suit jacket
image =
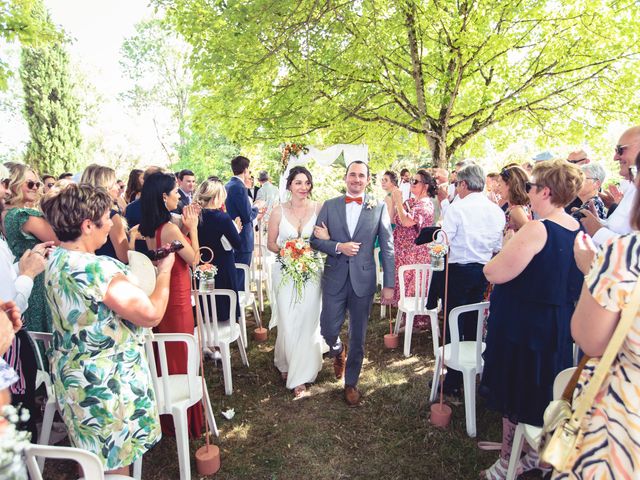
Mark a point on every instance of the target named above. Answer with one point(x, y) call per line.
point(361, 269)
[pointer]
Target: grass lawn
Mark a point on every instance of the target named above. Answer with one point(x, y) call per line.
point(273, 436)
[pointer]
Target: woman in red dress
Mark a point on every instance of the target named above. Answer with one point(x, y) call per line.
point(159, 197)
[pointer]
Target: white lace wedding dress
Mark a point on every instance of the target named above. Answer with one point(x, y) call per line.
point(299, 345)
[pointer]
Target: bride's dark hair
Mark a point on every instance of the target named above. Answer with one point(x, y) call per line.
point(296, 171)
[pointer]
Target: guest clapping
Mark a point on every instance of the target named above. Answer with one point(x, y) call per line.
point(536, 285)
point(219, 232)
point(117, 244)
point(98, 363)
point(160, 197)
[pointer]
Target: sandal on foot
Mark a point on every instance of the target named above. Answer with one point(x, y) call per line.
point(498, 471)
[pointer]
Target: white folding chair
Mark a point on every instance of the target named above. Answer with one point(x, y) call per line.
point(246, 299)
point(465, 356)
point(416, 304)
point(176, 393)
point(43, 377)
point(91, 465)
point(221, 334)
point(531, 434)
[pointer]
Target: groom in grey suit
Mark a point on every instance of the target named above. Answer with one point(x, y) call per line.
point(354, 221)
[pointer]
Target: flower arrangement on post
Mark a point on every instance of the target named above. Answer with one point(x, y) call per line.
point(12, 442)
point(300, 264)
point(206, 273)
point(437, 252)
point(289, 149)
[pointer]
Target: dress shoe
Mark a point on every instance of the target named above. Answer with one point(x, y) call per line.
point(340, 363)
point(352, 396)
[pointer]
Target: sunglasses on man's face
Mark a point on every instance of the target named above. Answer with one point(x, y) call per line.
point(31, 185)
point(619, 149)
point(49, 184)
point(575, 162)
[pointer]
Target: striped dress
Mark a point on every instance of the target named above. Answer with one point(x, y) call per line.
point(611, 444)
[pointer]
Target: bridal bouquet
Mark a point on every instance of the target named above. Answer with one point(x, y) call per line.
point(12, 443)
point(299, 263)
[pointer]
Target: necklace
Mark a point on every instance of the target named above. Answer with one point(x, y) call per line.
point(300, 219)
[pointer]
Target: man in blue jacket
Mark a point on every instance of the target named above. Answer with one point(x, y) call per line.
point(239, 205)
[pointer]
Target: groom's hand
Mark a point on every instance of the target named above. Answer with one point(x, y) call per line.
point(387, 293)
point(349, 249)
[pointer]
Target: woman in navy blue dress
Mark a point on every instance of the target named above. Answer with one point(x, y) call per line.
point(219, 232)
point(537, 284)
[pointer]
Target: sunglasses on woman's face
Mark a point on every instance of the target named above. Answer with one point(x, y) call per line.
point(5, 182)
point(415, 181)
point(31, 185)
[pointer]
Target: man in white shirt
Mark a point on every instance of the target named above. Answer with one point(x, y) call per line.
point(619, 222)
point(474, 226)
point(405, 184)
point(268, 193)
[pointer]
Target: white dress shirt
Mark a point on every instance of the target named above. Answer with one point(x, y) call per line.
point(353, 213)
point(13, 287)
point(405, 188)
point(474, 225)
point(619, 221)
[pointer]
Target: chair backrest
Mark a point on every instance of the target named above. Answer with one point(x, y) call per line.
point(209, 314)
point(162, 377)
point(482, 311)
point(422, 275)
point(45, 339)
point(247, 279)
point(561, 381)
point(91, 465)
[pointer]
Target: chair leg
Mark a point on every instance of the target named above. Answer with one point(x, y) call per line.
point(47, 422)
point(396, 328)
point(516, 450)
point(182, 443)
point(408, 332)
point(137, 469)
point(226, 368)
point(243, 324)
point(243, 352)
point(469, 379)
point(435, 381)
point(210, 417)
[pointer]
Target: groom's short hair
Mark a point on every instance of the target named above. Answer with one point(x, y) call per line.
point(355, 162)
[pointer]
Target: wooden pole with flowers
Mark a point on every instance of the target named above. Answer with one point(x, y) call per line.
point(438, 252)
point(207, 456)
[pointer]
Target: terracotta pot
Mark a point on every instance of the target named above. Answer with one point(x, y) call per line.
point(208, 460)
point(391, 340)
point(440, 415)
point(260, 334)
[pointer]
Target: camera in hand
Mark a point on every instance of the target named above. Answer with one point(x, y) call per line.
point(578, 215)
point(162, 252)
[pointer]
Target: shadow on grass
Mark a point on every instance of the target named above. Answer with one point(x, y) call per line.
point(273, 436)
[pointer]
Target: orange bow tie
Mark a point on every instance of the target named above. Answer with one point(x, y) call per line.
point(349, 199)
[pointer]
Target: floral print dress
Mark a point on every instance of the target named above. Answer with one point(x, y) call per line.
point(99, 367)
point(407, 252)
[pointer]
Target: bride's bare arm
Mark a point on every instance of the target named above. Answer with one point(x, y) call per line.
point(272, 229)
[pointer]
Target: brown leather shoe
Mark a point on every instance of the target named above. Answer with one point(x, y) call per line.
point(352, 396)
point(340, 363)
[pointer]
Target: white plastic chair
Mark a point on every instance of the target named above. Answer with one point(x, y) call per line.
point(531, 434)
point(247, 299)
point(43, 377)
point(176, 393)
point(416, 304)
point(464, 356)
point(221, 334)
point(91, 465)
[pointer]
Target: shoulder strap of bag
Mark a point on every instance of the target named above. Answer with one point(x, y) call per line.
point(571, 386)
point(629, 313)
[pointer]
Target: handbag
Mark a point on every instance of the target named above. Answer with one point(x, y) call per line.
point(561, 431)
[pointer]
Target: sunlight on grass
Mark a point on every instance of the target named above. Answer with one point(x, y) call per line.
point(238, 432)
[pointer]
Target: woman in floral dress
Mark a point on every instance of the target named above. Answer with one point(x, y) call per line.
point(410, 217)
point(98, 363)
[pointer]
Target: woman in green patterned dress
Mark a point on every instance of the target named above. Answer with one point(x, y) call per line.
point(24, 228)
point(98, 364)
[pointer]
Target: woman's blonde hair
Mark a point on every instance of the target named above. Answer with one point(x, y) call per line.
point(18, 178)
point(99, 176)
point(563, 179)
point(210, 191)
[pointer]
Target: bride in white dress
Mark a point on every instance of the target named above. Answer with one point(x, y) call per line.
point(298, 351)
